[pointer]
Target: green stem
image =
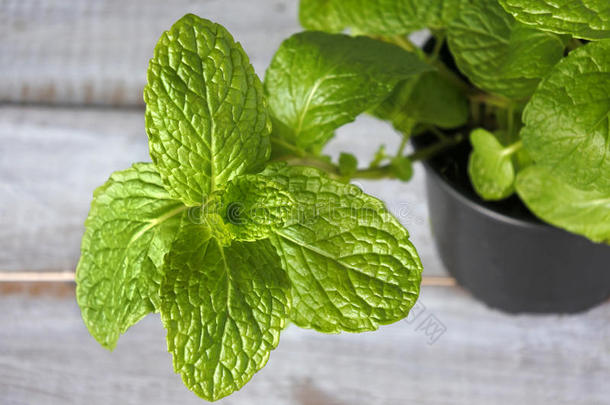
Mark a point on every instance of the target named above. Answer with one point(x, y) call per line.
point(312, 161)
point(430, 151)
point(288, 146)
point(489, 99)
point(406, 135)
point(510, 149)
point(439, 134)
point(403, 145)
point(380, 172)
point(406, 44)
point(387, 171)
point(438, 45)
point(374, 173)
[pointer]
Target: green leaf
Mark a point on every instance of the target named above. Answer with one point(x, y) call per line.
point(427, 99)
point(402, 167)
point(317, 82)
point(589, 19)
point(497, 53)
point(567, 119)
point(380, 17)
point(128, 231)
point(348, 164)
point(584, 212)
point(490, 166)
point(223, 308)
point(350, 261)
point(253, 206)
point(205, 114)
point(320, 15)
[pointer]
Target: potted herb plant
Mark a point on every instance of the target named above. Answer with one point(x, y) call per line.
point(241, 225)
point(527, 83)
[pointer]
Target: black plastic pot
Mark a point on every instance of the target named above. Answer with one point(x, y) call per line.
point(502, 254)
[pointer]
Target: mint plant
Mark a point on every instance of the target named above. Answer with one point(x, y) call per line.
point(241, 224)
point(530, 89)
point(230, 245)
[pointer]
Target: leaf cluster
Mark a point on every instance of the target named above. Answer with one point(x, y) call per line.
point(241, 225)
point(228, 246)
point(531, 91)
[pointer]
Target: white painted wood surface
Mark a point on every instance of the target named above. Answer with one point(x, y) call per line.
point(484, 357)
point(96, 52)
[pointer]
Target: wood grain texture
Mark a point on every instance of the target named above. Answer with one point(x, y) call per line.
point(484, 357)
point(51, 160)
point(97, 52)
point(85, 52)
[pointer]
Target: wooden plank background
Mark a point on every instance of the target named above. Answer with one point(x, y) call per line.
point(96, 52)
point(484, 357)
point(71, 78)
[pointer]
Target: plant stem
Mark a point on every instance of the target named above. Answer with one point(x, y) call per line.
point(438, 45)
point(374, 173)
point(435, 148)
point(380, 172)
point(403, 145)
point(406, 44)
point(387, 172)
point(510, 149)
point(331, 169)
point(406, 135)
point(489, 99)
point(288, 146)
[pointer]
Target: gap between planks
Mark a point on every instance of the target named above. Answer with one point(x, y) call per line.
point(62, 276)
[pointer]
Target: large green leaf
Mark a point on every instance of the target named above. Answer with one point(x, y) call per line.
point(567, 119)
point(579, 211)
point(589, 19)
point(317, 82)
point(205, 113)
point(384, 17)
point(350, 261)
point(490, 166)
point(497, 53)
point(223, 308)
point(129, 228)
point(429, 99)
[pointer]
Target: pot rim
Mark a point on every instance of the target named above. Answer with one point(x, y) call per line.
point(534, 223)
